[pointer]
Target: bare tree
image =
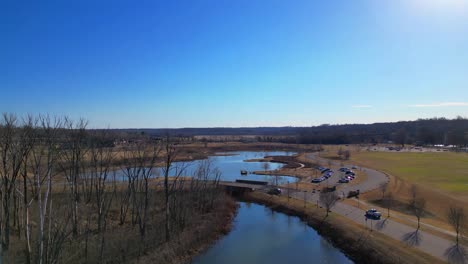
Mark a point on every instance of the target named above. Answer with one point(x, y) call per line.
point(328, 200)
point(170, 156)
point(72, 163)
point(101, 157)
point(346, 154)
point(456, 218)
point(340, 153)
point(383, 188)
point(417, 205)
point(44, 157)
point(140, 160)
point(15, 145)
point(388, 200)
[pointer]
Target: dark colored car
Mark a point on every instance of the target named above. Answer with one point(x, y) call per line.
point(318, 180)
point(373, 214)
point(275, 191)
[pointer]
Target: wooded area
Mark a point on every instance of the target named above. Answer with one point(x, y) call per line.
point(63, 202)
point(421, 132)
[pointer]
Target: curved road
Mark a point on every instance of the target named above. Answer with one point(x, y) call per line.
point(374, 178)
point(429, 243)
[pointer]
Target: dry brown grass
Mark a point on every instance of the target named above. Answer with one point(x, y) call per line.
point(123, 244)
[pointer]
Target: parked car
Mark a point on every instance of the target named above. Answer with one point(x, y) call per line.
point(274, 191)
point(317, 180)
point(343, 180)
point(344, 169)
point(373, 214)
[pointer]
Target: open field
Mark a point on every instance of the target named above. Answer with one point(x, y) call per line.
point(446, 171)
point(441, 178)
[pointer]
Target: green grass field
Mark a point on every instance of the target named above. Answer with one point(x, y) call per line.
point(446, 171)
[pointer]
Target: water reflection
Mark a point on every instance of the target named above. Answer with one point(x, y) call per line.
point(229, 164)
point(262, 236)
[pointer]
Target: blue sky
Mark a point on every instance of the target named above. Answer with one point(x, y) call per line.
point(234, 63)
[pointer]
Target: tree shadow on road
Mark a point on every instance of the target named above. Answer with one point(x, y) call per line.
point(412, 238)
point(456, 255)
point(381, 224)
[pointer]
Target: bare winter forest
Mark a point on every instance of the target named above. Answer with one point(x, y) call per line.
point(63, 201)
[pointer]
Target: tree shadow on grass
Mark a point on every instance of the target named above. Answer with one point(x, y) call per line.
point(456, 255)
point(412, 238)
point(381, 224)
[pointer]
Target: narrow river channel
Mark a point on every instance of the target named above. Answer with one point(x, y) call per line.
point(260, 235)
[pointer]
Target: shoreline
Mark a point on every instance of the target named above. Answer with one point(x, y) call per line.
point(179, 251)
point(357, 243)
point(213, 238)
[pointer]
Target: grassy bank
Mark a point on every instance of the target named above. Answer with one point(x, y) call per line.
point(361, 245)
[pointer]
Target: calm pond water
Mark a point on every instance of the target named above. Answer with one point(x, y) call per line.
point(230, 164)
point(260, 235)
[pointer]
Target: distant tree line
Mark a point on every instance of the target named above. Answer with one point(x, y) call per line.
point(420, 132)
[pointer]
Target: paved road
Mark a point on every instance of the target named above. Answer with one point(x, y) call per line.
point(373, 181)
point(429, 243)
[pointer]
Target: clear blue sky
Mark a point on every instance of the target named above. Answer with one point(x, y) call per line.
point(234, 63)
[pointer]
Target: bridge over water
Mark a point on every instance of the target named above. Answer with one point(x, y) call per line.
point(241, 186)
